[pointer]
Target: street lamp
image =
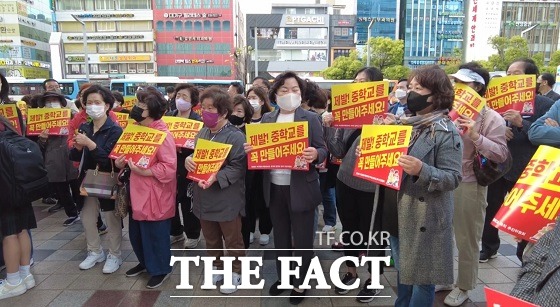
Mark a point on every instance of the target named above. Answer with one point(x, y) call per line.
point(86, 55)
point(368, 37)
point(528, 29)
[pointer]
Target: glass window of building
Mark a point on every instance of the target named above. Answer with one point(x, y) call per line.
point(159, 26)
point(169, 26)
point(149, 47)
point(207, 4)
point(197, 4)
point(310, 11)
point(104, 4)
point(114, 68)
point(226, 25)
point(207, 26)
point(141, 68)
point(122, 68)
point(69, 5)
point(217, 26)
point(121, 47)
point(149, 68)
point(89, 6)
point(74, 26)
point(106, 26)
point(197, 26)
point(140, 47)
point(168, 4)
point(178, 4)
point(131, 47)
point(93, 69)
point(216, 4)
point(225, 4)
point(104, 68)
point(132, 68)
point(291, 10)
point(188, 4)
point(140, 25)
point(178, 26)
point(159, 4)
point(74, 69)
point(188, 25)
point(107, 47)
point(135, 4)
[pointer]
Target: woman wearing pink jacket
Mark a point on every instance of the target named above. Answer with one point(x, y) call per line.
point(152, 193)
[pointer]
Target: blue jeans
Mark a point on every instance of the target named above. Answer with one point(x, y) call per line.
point(329, 214)
point(410, 295)
point(151, 244)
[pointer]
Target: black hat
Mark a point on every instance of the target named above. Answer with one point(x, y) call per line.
point(46, 95)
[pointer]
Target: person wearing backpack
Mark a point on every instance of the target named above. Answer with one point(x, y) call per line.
point(60, 169)
point(16, 213)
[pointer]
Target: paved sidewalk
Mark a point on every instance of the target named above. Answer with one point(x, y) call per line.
point(59, 250)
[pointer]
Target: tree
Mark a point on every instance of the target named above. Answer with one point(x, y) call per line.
point(385, 52)
point(343, 68)
point(555, 59)
point(508, 49)
point(396, 72)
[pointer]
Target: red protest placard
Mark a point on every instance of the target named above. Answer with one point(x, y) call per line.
point(123, 119)
point(496, 298)
point(467, 102)
point(358, 104)
point(380, 149)
point(139, 144)
point(209, 157)
point(9, 111)
point(534, 201)
point(278, 145)
point(515, 92)
point(54, 120)
point(183, 130)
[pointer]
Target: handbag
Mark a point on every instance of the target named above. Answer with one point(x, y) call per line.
point(122, 193)
point(487, 171)
point(99, 184)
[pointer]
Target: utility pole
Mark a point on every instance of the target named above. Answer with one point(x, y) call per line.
point(86, 55)
point(367, 43)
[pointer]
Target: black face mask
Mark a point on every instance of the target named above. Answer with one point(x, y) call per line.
point(136, 114)
point(416, 102)
point(236, 120)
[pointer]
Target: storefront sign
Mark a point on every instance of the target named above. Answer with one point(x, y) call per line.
point(305, 20)
point(193, 61)
point(28, 43)
point(106, 15)
point(376, 19)
point(191, 15)
point(301, 43)
point(27, 21)
point(9, 29)
point(106, 37)
point(9, 62)
point(193, 38)
point(344, 22)
point(472, 29)
point(124, 58)
point(75, 58)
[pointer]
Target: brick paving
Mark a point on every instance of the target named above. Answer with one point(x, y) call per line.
point(58, 250)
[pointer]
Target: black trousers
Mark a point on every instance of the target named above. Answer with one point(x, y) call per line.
point(354, 209)
point(75, 188)
point(62, 190)
point(496, 193)
point(289, 226)
point(190, 225)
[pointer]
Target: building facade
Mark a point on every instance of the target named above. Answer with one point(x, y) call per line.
point(195, 39)
point(484, 20)
point(293, 37)
point(431, 31)
point(343, 28)
point(120, 39)
point(385, 17)
point(25, 28)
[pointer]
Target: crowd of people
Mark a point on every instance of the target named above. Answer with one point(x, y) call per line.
point(440, 201)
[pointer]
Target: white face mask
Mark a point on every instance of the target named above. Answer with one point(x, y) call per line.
point(289, 102)
point(400, 93)
point(95, 111)
point(255, 104)
point(55, 105)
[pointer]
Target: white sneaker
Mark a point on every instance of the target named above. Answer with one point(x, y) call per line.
point(29, 281)
point(112, 264)
point(251, 237)
point(235, 280)
point(328, 228)
point(444, 288)
point(175, 239)
point(191, 243)
point(456, 297)
point(264, 240)
point(7, 290)
point(216, 277)
point(92, 259)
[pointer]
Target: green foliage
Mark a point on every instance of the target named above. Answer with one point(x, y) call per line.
point(508, 50)
point(343, 68)
point(555, 59)
point(396, 72)
point(385, 52)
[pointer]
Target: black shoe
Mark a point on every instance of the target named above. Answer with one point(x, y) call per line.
point(486, 255)
point(347, 279)
point(297, 297)
point(156, 281)
point(366, 295)
point(56, 208)
point(274, 291)
point(135, 271)
point(49, 201)
point(71, 220)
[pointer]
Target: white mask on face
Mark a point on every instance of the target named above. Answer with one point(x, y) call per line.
point(55, 105)
point(95, 111)
point(289, 102)
point(400, 93)
point(255, 104)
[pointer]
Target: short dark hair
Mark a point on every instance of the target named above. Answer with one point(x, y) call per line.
point(262, 94)
point(170, 89)
point(549, 78)
point(105, 93)
point(433, 78)
point(47, 81)
point(402, 80)
point(264, 80)
point(481, 71)
point(220, 100)
point(372, 73)
point(531, 67)
point(35, 101)
point(5, 89)
point(154, 100)
point(238, 87)
point(192, 90)
point(247, 108)
point(41, 102)
point(279, 81)
point(314, 95)
point(118, 97)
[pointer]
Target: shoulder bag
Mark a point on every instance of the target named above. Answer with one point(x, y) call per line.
point(122, 192)
point(99, 184)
